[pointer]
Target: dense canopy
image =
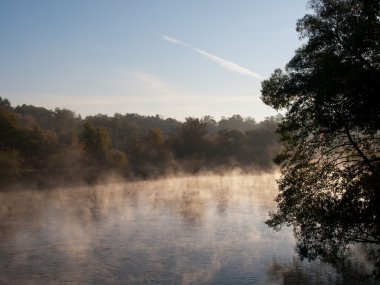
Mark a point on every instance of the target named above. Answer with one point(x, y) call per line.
point(54, 147)
point(330, 184)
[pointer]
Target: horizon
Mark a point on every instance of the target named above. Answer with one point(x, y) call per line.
point(217, 119)
point(177, 59)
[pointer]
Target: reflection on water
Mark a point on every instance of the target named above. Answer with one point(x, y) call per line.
point(190, 230)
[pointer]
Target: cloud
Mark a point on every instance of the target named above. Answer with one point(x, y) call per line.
point(128, 90)
point(229, 65)
point(153, 84)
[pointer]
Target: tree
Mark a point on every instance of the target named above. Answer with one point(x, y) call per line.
point(211, 124)
point(190, 137)
point(237, 122)
point(5, 104)
point(97, 143)
point(65, 121)
point(10, 165)
point(10, 130)
point(44, 117)
point(147, 152)
point(330, 164)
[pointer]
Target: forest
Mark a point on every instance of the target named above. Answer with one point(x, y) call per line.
point(55, 147)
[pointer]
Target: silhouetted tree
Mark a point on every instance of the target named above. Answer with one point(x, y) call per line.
point(211, 124)
point(5, 104)
point(329, 189)
point(237, 122)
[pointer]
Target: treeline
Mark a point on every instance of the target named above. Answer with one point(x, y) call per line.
point(58, 146)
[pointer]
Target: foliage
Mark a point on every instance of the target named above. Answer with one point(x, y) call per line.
point(10, 131)
point(190, 138)
point(97, 143)
point(10, 165)
point(59, 146)
point(5, 104)
point(330, 163)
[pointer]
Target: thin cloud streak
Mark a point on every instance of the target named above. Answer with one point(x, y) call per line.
point(229, 65)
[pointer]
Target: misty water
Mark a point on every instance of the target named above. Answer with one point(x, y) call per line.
point(189, 230)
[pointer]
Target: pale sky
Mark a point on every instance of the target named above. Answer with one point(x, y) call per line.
point(174, 58)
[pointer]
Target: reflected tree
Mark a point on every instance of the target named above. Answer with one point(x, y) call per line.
point(330, 184)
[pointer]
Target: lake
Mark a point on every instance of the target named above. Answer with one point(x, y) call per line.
point(207, 229)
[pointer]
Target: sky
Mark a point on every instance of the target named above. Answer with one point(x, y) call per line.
point(174, 58)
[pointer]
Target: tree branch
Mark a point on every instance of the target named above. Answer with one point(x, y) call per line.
point(356, 147)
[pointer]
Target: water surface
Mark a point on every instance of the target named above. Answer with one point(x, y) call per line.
point(190, 230)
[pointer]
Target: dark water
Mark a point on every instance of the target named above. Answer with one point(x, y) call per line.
point(194, 230)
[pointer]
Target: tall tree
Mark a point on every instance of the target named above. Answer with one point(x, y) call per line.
point(330, 184)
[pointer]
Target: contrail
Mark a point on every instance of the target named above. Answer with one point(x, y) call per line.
point(234, 67)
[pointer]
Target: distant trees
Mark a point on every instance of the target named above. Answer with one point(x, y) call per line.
point(97, 143)
point(37, 144)
point(32, 144)
point(190, 138)
point(5, 104)
point(10, 165)
point(10, 130)
point(156, 151)
point(237, 122)
point(330, 184)
point(254, 147)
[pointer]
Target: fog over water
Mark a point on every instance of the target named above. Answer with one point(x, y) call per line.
point(206, 229)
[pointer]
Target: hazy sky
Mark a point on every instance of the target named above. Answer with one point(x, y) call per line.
point(175, 58)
